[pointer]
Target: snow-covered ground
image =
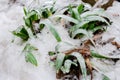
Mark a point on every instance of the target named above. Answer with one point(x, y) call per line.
point(12, 61)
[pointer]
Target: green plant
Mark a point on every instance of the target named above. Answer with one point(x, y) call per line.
point(84, 21)
point(39, 17)
point(29, 57)
point(78, 61)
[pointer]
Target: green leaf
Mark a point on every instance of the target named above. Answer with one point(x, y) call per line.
point(77, 26)
point(41, 26)
point(80, 8)
point(74, 13)
point(25, 11)
point(96, 18)
point(29, 48)
point(28, 22)
point(62, 44)
point(30, 17)
point(67, 66)
point(46, 13)
point(59, 61)
point(90, 26)
point(52, 29)
point(32, 14)
point(105, 78)
point(21, 32)
point(66, 17)
point(96, 55)
point(82, 64)
point(97, 28)
point(79, 31)
point(51, 53)
point(97, 12)
point(87, 20)
point(30, 58)
point(28, 54)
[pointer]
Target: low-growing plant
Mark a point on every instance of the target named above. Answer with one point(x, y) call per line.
point(83, 21)
point(29, 56)
point(76, 62)
point(38, 17)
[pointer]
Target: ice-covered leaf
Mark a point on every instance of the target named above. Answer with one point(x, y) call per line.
point(105, 78)
point(97, 55)
point(52, 29)
point(59, 61)
point(82, 64)
point(25, 11)
point(22, 33)
point(67, 66)
point(77, 26)
point(29, 48)
point(29, 57)
point(79, 31)
point(62, 44)
point(66, 18)
point(74, 13)
point(97, 12)
point(96, 18)
point(30, 17)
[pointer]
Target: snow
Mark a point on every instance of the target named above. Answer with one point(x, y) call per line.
point(12, 61)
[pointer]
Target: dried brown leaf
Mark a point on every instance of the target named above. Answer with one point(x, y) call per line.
point(89, 65)
point(116, 44)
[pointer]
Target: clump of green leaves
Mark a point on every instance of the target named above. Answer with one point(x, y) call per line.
point(75, 62)
point(82, 21)
point(38, 17)
point(65, 63)
point(29, 56)
point(35, 15)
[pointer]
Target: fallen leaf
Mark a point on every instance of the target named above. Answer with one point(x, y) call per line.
point(89, 65)
point(116, 44)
